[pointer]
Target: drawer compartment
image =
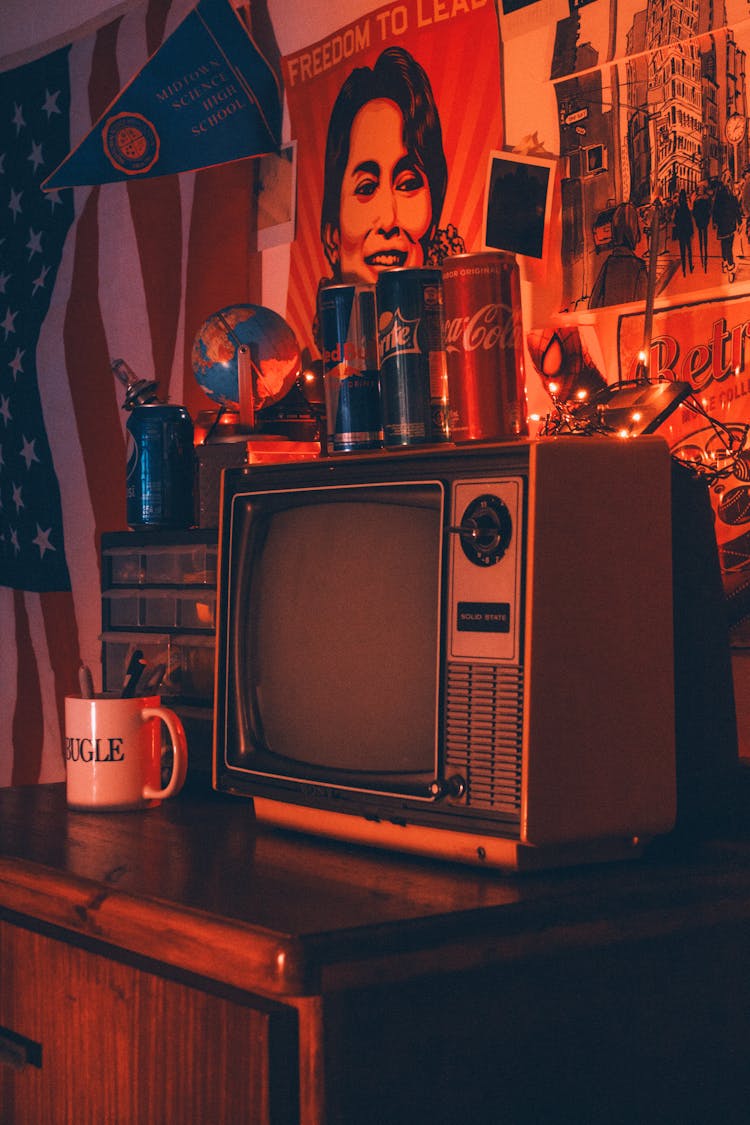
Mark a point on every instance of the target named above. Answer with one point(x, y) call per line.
point(188, 660)
point(159, 609)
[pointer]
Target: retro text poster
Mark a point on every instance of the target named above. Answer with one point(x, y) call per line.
point(707, 345)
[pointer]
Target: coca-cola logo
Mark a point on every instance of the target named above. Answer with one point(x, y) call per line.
point(397, 335)
point(491, 326)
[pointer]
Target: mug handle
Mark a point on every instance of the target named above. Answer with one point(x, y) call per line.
point(173, 723)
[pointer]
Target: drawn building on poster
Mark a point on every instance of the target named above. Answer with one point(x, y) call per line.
point(635, 134)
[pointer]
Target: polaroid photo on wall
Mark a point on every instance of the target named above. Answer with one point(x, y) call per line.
point(518, 202)
point(276, 193)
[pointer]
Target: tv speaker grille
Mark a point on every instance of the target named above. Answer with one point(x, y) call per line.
point(484, 733)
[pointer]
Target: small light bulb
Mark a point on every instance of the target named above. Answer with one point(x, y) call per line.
point(636, 416)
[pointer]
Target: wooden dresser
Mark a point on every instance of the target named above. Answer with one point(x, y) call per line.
point(184, 965)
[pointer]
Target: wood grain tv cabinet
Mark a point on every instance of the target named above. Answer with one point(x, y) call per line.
point(185, 965)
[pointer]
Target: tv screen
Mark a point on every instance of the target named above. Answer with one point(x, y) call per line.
point(331, 588)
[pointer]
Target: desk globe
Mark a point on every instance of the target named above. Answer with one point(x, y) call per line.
point(274, 351)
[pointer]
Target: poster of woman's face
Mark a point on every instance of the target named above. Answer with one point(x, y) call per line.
point(387, 169)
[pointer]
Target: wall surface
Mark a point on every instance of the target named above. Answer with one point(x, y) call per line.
point(34, 27)
point(626, 112)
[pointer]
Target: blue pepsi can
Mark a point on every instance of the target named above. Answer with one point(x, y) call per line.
point(346, 316)
point(160, 467)
point(413, 372)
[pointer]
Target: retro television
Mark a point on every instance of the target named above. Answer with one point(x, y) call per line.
point(494, 655)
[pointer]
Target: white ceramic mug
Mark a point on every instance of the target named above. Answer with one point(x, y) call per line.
point(113, 751)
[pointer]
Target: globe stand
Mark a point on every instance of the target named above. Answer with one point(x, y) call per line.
point(247, 364)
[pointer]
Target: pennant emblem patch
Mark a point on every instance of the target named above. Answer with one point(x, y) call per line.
point(131, 143)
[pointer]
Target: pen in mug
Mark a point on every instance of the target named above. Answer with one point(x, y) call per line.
point(85, 682)
point(133, 673)
point(150, 679)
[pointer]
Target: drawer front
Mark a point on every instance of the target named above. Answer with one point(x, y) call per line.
point(84, 1039)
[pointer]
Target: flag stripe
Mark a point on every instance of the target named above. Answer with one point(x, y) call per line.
point(157, 220)
point(221, 270)
point(87, 361)
point(8, 684)
point(28, 722)
point(58, 675)
point(156, 24)
point(104, 81)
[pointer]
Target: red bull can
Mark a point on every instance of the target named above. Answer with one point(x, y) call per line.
point(413, 382)
point(346, 316)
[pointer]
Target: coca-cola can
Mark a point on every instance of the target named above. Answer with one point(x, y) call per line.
point(484, 347)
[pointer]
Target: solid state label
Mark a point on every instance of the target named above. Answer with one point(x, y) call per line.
point(483, 617)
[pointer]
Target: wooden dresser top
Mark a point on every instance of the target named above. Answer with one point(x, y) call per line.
point(197, 885)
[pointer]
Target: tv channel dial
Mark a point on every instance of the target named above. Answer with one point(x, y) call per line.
point(485, 530)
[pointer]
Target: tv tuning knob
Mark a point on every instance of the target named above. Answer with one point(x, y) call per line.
point(485, 530)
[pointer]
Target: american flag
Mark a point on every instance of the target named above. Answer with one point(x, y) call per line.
point(128, 270)
point(34, 106)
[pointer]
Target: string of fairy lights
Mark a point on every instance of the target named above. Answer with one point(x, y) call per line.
point(729, 455)
point(731, 459)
